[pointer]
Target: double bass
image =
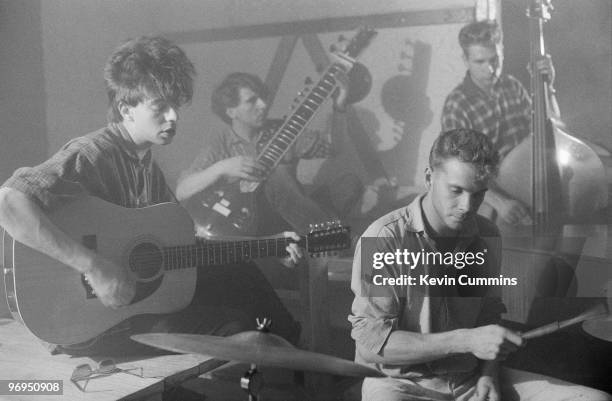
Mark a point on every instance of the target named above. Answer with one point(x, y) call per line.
point(562, 181)
point(567, 177)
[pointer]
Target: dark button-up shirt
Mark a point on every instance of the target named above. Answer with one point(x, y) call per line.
point(102, 164)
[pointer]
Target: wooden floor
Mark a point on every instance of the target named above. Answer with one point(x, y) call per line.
point(23, 358)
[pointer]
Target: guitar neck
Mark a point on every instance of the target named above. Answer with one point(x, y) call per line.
point(293, 126)
point(216, 253)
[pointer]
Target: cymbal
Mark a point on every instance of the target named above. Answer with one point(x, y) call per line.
point(260, 348)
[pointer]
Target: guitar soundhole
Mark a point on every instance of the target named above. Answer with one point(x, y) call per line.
point(146, 260)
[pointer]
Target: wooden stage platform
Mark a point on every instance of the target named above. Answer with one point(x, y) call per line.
point(23, 357)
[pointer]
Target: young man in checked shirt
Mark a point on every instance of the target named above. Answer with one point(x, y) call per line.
point(495, 104)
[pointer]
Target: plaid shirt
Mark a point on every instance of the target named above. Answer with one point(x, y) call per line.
point(101, 164)
point(504, 114)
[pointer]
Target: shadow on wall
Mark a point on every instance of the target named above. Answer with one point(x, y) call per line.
point(405, 100)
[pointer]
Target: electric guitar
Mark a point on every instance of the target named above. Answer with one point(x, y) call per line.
point(155, 244)
point(230, 210)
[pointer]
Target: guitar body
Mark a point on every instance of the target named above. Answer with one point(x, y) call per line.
point(155, 245)
point(55, 302)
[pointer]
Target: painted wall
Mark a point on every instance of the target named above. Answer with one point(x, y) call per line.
point(22, 97)
point(54, 52)
point(22, 87)
point(78, 36)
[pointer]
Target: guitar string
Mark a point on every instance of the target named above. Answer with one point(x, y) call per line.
point(184, 253)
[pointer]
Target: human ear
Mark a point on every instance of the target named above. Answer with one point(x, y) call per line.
point(465, 59)
point(126, 111)
point(428, 173)
point(231, 112)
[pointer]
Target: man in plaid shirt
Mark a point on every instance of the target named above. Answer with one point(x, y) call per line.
point(495, 104)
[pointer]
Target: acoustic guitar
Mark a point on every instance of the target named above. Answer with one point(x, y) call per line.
point(155, 244)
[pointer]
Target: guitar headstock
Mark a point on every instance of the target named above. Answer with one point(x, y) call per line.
point(359, 42)
point(328, 236)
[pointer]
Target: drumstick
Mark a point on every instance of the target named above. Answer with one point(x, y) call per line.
point(595, 312)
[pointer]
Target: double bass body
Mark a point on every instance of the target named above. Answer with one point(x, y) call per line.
point(582, 177)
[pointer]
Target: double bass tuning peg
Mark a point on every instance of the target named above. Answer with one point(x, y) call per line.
point(308, 81)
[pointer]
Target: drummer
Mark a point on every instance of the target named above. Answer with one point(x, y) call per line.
point(441, 341)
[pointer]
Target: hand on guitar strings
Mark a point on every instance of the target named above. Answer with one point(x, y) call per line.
point(341, 93)
point(111, 283)
point(295, 252)
point(242, 167)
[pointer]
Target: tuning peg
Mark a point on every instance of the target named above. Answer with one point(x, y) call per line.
point(333, 48)
point(402, 68)
point(341, 38)
point(308, 81)
point(404, 55)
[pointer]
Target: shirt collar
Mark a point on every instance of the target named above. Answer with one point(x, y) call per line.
point(127, 143)
point(474, 90)
point(235, 139)
point(417, 224)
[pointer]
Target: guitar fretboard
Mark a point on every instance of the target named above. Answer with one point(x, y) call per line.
point(287, 134)
point(220, 252)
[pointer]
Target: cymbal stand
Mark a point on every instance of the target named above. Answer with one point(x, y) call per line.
point(252, 381)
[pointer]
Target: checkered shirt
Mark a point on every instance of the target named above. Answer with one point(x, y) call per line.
point(504, 114)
